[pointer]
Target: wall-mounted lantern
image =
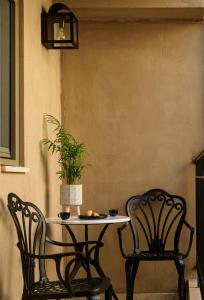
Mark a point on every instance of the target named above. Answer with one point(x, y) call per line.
point(59, 28)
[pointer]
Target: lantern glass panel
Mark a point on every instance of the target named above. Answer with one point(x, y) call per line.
point(61, 31)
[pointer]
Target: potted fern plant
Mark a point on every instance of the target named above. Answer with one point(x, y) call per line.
point(70, 157)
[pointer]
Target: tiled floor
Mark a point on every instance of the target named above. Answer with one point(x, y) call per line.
point(194, 291)
point(194, 294)
point(147, 296)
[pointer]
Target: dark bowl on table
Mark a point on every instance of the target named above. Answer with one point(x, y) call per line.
point(113, 212)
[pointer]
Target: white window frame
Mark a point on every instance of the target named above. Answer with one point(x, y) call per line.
point(17, 157)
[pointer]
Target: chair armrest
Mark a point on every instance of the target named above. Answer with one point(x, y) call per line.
point(54, 256)
point(57, 257)
point(77, 244)
point(120, 230)
point(192, 230)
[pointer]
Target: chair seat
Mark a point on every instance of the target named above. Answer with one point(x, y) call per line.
point(146, 255)
point(81, 287)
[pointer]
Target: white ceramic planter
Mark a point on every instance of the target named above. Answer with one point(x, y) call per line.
point(71, 194)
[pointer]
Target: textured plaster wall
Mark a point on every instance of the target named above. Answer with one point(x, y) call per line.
point(133, 94)
point(41, 186)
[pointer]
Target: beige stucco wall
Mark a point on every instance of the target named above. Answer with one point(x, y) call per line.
point(40, 185)
point(133, 94)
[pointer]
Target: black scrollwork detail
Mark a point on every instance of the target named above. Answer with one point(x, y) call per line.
point(170, 202)
point(13, 206)
point(178, 206)
point(26, 212)
point(16, 205)
point(143, 202)
point(161, 197)
point(133, 206)
point(151, 197)
point(35, 217)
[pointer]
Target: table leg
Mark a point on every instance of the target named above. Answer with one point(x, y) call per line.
point(86, 233)
point(95, 260)
point(77, 265)
point(74, 240)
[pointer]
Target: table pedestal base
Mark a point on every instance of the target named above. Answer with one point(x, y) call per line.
point(92, 253)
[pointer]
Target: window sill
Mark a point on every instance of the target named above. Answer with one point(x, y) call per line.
point(13, 169)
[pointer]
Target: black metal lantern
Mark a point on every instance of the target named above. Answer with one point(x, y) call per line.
point(59, 28)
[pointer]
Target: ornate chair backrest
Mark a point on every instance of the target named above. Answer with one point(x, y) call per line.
point(31, 229)
point(159, 217)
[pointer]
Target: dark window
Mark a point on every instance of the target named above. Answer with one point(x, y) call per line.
point(7, 79)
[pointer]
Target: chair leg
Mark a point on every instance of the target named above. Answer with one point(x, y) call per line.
point(180, 266)
point(108, 294)
point(131, 268)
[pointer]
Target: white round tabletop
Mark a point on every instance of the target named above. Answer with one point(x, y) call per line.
point(74, 220)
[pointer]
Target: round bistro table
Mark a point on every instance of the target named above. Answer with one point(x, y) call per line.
point(93, 251)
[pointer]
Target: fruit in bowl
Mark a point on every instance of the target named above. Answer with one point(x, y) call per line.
point(91, 213)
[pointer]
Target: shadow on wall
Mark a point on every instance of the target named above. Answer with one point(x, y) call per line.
point(45, 164)
point(6, 249)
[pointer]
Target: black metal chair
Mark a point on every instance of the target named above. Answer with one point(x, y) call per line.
point(31, 230)
point(158, 217)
